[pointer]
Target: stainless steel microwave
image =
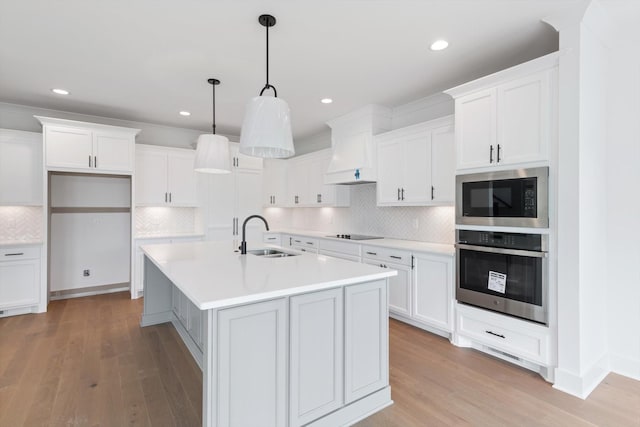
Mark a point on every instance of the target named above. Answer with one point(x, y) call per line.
point(513, 198)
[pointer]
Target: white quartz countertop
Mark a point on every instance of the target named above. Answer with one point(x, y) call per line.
point(165, 235)
point(410, 245)
point(212, 275)
point(7, 243)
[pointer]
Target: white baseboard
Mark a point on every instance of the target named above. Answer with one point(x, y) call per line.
point(582, 385)
point(626, 366)
point(428, 328)
point(156, 318)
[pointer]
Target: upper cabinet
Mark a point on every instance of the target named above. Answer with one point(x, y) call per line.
point(306, 187)
point(506, 118)
point(165, 176)
point(20, 168)
point(416, 164)
point(274, 183)
point(87, 147)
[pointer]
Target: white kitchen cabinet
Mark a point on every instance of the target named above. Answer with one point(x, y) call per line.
point(138, 267)
point(272, 238)
point(400, 285)
point(366, 352)
point(432, 290)
point(252, 355)
point(506, 118)
point(190, 317)
point(489, 330)
point(87, 147)
point(340, 249)
point(231, 198)
point(304, 244)
point(415, 165)
point(316, 366)
point(274, 183)
point(165, 176)
point(306, 186)
point(19, 279)
point(20, 168)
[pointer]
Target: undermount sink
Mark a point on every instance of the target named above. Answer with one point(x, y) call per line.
point(270, 253)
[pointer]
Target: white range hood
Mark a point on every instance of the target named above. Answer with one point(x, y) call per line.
point(353, 159)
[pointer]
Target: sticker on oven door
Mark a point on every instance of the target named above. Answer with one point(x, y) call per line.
point(497, 281)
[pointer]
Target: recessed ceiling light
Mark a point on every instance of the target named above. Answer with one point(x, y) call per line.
point(185, 113)
point(326, 100)
point(439, 44)
point(60, 91)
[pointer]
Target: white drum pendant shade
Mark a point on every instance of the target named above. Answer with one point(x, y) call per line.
point(212, 154)
point(266, 130)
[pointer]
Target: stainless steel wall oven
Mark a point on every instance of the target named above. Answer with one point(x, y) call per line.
point(503, 272)
point(513, 198)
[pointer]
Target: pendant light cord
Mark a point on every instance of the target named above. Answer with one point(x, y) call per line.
point(214, 109)
point(268, 86)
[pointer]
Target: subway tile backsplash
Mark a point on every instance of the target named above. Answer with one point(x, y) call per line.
point(429, 224)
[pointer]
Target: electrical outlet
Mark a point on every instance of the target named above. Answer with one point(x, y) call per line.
point(86, 273)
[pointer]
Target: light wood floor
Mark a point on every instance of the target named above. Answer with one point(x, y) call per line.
point(86, 362)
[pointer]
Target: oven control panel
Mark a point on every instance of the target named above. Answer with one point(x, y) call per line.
point(530, 242)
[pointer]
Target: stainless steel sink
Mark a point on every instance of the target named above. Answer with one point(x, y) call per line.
point(270, 253)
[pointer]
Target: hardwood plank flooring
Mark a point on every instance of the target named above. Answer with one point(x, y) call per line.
point(87, 362)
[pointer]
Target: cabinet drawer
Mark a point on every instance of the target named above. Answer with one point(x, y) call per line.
point(272, 238)
point(304, 242)
point(378, 253)
point(19, 252)
point(340, 247)
point(522, 343)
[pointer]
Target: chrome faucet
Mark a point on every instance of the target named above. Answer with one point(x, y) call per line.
point(243, 244)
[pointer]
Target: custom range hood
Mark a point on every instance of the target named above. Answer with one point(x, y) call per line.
point(353, 159)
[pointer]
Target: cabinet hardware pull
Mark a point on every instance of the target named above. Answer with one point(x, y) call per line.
point(498, 159)
point(238, 161)
point(491, 154)
point(319, 198)
point(169, 197)
point(274, 200)
point(95, 161)
point(89, 160)
point(412, 262)
point(289, 241)
point(494, 334)
point(395, 257)
point(271, 238)
point(402, 194)
point(432, 192)
point(15, 254)
point(371, 253)
point(398, 194)
point(309, 243)
point(166, 197)
point(298, 241)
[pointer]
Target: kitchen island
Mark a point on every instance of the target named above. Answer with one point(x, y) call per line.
point(281, 341)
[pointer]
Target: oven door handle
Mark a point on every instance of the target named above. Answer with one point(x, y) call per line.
point(503, 251)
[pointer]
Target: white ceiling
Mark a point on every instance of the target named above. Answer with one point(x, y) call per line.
point(146, 60)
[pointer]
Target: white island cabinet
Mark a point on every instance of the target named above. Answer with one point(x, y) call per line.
point(300, 340)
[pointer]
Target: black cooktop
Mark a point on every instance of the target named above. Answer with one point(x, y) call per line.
point(355, 237)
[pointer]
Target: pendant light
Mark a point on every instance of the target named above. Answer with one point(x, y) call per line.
point(266, 129)
point(212, 152)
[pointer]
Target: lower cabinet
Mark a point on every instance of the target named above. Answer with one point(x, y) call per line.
point(19, 280)
point(292, 361)
point(366, 348)
point(252, 365)
point(190, 317)
point(399, 286)
point(316, 355)
point(433, 290)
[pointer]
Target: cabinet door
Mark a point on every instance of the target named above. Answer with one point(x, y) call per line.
point(297, 182)
point(475, 124)
point(245, 162)
point(20, 168)
point(416, 169)
point(366, 350)
point(399, 287)
point(181, 179)
point(390, 158)
point(67, 147)
point(220, 213)
point(19, 283)
point(151, 178)
point(195, 323)
point(433, 290)
point(274, 178)
point(443, 165)
point(113, 153)
point(523, 119)
point(252, 365)
point(315, 370)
